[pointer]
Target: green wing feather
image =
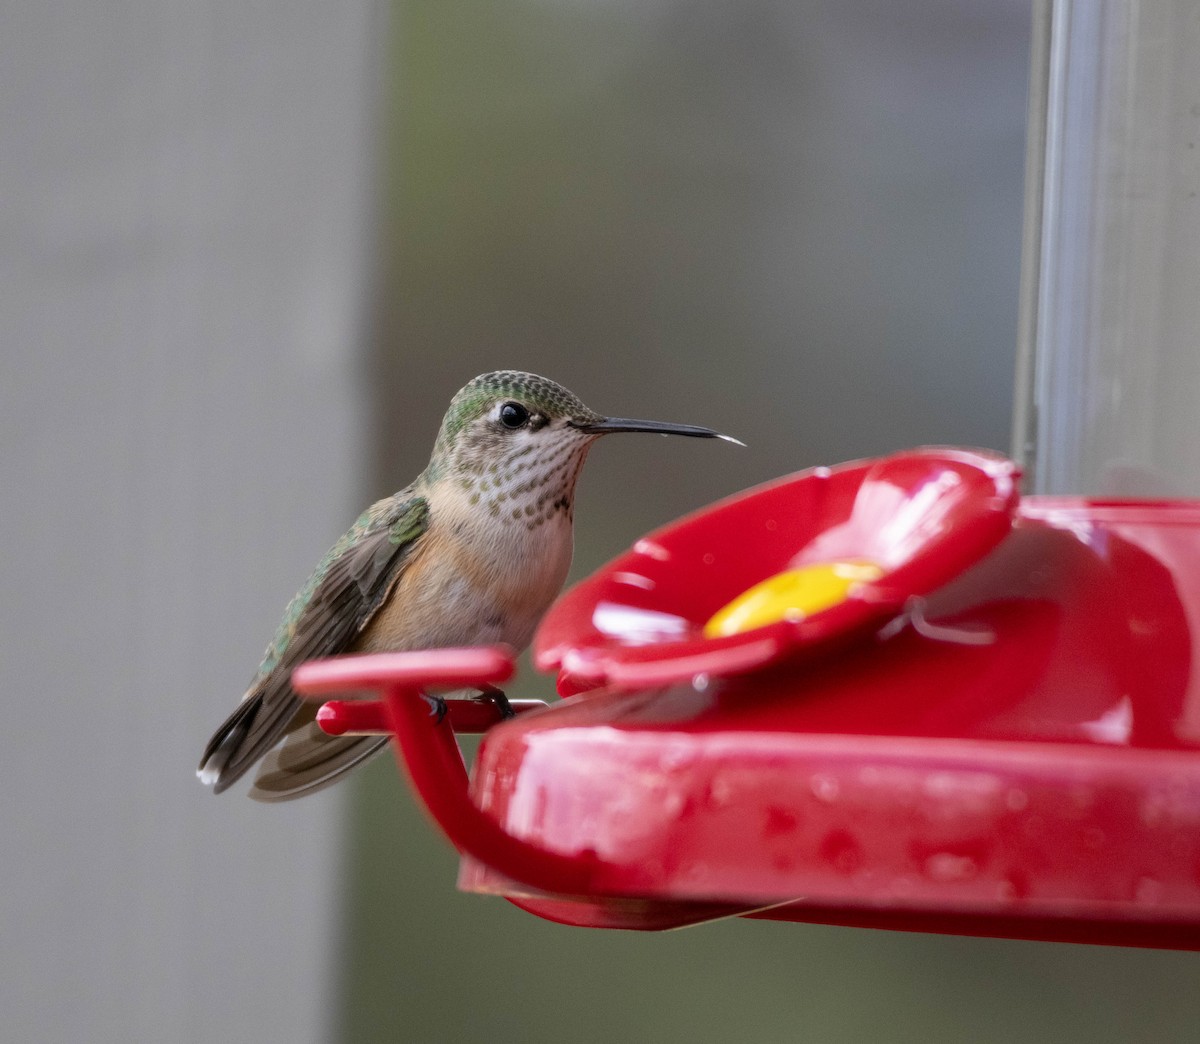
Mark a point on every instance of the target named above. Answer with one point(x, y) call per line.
point(336, 602)
point(404, 522)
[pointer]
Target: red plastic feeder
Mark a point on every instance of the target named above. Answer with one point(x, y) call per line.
point(993, 731)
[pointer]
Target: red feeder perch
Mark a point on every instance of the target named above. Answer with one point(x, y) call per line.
point(992, 734)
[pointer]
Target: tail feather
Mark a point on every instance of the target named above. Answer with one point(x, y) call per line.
point(225, 743)
point(310, 760)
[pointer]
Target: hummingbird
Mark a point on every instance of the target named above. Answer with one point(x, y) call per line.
point(472, 552)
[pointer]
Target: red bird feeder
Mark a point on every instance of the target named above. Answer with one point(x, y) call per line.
point(992, 730)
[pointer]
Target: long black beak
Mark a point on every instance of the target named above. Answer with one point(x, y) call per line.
point(610, 424)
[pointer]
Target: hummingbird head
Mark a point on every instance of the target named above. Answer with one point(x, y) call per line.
point(514, 442)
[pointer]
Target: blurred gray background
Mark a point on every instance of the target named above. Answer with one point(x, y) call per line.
point(248, 253)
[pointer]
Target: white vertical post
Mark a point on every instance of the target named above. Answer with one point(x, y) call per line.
point(183, 224)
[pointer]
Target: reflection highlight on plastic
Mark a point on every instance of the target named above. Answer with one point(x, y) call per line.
point(921, 514)
point(792, 595)
point(637, 626)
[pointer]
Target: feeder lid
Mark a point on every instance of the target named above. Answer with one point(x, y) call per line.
point(907, 523)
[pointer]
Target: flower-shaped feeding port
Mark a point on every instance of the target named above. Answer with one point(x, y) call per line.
point(780, 570)
point(994, 730)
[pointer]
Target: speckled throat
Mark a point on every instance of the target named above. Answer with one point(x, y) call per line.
point(530, 485)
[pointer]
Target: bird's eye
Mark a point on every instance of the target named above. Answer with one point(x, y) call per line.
point(513, 415)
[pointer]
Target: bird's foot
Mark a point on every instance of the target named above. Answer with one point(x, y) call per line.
point(497, 698)
point(437, 707)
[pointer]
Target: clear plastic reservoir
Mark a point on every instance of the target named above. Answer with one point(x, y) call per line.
point(1108, 386)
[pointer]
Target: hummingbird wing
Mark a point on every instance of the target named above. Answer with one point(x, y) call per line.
point(339, 599)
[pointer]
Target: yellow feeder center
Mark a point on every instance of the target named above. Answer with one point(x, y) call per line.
point(791, 595)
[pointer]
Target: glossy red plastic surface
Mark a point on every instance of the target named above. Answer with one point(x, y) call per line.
point(370, 718)
point(1013, 752)
point(924, 516)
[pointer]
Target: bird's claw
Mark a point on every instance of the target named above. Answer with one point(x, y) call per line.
point(497, 699)
point(437, 707)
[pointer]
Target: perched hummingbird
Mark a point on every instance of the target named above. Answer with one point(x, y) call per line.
point(473, 552)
